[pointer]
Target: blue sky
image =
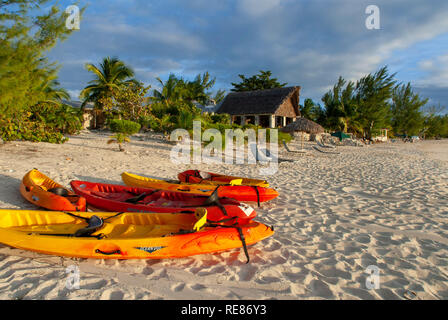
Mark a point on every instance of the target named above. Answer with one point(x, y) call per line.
point(309, 43)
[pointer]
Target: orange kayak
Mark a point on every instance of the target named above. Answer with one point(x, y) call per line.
point(197, 176)
point(239, 193)
point(122, 235)
point(42, 191)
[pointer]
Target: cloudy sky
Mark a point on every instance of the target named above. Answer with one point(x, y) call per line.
point(309, 43)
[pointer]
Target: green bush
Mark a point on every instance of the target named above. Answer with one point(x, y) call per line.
point(124, 126)
point(145, 122)
point(221, 118)
point(284, 136)
point(25, 130)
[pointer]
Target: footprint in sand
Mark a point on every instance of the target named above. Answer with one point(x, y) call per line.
point(178, 287)
point(112, 295)
point(96, 285)
point(320, 289)
point(198, 286)
point(377, 196)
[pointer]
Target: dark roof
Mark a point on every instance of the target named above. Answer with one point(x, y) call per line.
point(304, 125)
point(256, 102)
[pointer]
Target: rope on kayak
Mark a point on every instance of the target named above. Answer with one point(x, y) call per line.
point(218, 224)
point(196, 174)
point(258, 195)
point(94, 223)
point(211, 201)
point(243, 240)
point(241, 234)
point(141, 196)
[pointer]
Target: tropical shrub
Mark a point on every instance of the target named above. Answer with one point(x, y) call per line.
point(59, 117)
point(221, 118)
point(23, 129)
point(119, 138)
point(124, 126)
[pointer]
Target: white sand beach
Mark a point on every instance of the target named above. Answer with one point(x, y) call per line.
point(384, 205)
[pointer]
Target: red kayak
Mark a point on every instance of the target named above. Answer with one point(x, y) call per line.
point(119, 198)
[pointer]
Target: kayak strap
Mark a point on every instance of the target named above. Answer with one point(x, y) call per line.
point(141, 196)
point(196, 174)
point(258, 195)
point(243, 240)
point(211, 201)
point(240, 232)
point(94, 223)
point(218, 224)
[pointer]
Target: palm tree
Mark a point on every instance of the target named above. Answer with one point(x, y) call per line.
point(52, 92)
point(171, 90)
point(197, 90)
point(341, 107)
point(119, 138)
point(111, 74)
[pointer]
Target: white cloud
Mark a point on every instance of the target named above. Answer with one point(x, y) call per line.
point(257, 8)
point(436, 72)
point(307, 43)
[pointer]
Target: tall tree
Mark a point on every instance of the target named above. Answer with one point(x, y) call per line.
point(307, 108)
point(175, 90)
point(373, 93)
point(171, 91)
point(198, 90)
point(260, 81)
point(406, 109)
point(26, 35)
point(436, 122)
point(341, 107)
point(111, 74)
point(313, 111)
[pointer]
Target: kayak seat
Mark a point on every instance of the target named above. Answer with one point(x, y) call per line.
point(95, 223)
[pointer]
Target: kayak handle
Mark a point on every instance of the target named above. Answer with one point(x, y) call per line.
point(108, 253)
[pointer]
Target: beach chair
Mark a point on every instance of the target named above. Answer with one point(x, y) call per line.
point(322, 145)
point(293, 151)
point(323, 151)
point(265, 156)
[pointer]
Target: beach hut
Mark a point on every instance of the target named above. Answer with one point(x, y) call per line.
point(303, 125)
point(270, 108)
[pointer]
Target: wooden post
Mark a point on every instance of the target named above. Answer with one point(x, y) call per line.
point(302, 140)
point(272, 121)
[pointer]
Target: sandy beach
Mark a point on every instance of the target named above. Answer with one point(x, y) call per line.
point(384, 205)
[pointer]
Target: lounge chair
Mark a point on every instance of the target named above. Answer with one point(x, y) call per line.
point(264, 155)
point(322, 151)
point(322, 145)
point(293, 151)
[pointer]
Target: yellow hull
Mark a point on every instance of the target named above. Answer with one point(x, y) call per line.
point(122, 236)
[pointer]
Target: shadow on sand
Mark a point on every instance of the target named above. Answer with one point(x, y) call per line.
point(10, 193)
point(99, 180)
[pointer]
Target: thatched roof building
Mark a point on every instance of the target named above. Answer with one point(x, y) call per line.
point(268, 108)
point(303, 125)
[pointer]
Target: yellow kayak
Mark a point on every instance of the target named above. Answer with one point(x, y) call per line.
point(196, 176)
point(107, 235)
point(238, 192)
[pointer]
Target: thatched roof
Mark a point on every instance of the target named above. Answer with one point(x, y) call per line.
point(257, 102)
point(303, 125)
